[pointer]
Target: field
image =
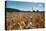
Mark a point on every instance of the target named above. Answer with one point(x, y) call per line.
point(24, 20)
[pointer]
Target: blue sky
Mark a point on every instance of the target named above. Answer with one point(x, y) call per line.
point(9, 0)
point(26, 6)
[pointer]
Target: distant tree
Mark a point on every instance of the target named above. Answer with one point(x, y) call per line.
point(37, 10)
point(43, 11)
point(33, 10)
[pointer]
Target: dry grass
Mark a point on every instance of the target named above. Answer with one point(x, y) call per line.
point(20, 20)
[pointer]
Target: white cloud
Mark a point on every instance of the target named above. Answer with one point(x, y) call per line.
point(40, 5)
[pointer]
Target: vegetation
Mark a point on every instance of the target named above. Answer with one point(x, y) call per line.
point(24, 20)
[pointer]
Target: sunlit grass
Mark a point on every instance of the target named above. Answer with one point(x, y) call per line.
point(13, 18)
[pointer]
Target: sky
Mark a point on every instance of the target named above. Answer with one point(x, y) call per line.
point(25, 6)
point(10, 0)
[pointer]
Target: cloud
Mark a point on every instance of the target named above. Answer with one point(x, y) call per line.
point(40, 5)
